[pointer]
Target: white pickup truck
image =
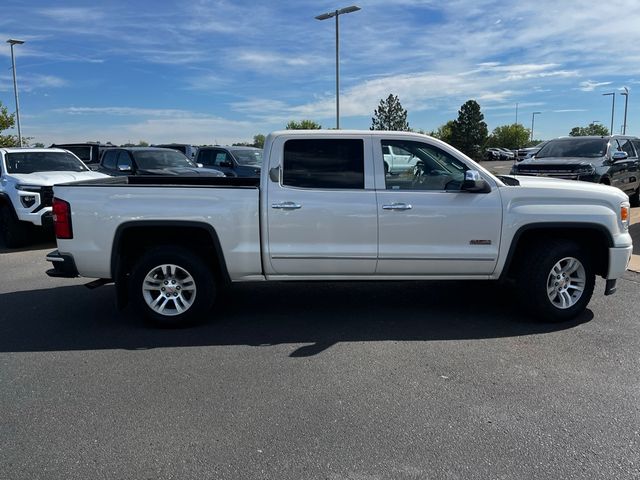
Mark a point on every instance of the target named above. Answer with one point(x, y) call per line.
point(324, 209)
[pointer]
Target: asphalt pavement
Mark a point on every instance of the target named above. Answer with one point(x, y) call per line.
point(335, 380)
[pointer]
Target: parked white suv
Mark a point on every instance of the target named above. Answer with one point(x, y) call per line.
point(27, 176)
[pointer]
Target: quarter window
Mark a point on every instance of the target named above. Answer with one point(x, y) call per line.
point(324, 163)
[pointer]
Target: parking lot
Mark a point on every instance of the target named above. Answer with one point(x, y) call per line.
point(341, 380)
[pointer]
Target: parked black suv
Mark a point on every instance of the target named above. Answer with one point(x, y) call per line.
point(233, 161)
point(150, 161)
point(610, 160)
point(88, 152)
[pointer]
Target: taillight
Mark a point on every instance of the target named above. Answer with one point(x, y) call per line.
point(62, 219)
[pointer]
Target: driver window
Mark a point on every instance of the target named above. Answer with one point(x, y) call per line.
point(411, 165)
point(221, 157)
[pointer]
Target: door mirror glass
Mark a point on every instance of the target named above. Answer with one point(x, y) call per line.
point(124, 168)
point(474, 183)
point(619, 156)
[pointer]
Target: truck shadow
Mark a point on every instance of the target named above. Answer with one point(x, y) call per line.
point(39, 241)
point(316, 315)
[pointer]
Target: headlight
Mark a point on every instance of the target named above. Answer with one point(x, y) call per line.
point(625, 216)
point(28, 188)
point(588, 169)
point(27, 200)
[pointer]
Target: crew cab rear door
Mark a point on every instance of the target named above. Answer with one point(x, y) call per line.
point(321, 206)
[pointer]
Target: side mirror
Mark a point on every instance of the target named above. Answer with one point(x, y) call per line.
point(619, 156)
point(274, 174)
point(226, 164)
point(125, 168)
point(199, 165)
point(474, 183)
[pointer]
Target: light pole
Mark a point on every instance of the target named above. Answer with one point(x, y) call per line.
point(613, 108)
point(326, 16)
point(626, 100)
point(533, 119)
point(15, 86)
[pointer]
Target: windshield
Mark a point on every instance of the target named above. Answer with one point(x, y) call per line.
point(579, 147)
point(248, 157)
point(31, 162)
point(152, 159)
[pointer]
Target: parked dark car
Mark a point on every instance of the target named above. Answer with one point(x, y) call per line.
point(151, 161)
point(612, 160)
point(88, 152)
point(233, 161)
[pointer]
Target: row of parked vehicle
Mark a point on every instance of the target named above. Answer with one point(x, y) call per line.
point(27, 175)
point(216, 160)
point(498, 153)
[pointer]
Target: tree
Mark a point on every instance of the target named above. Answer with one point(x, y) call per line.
point(390, 115)
point(302, 125)
point(509, 136)
point(38, 145)
point(7, 121)
point(469, 132)
point(444, 132)
point(258, 140)
point(143, 143)
point(591, 129)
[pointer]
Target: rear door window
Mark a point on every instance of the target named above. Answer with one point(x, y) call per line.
point(324, 163)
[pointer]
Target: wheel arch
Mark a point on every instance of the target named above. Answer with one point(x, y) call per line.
point(133, 238)
point(595, 238)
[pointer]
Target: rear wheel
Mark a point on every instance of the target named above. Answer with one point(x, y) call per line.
point(172, 287)
point(14, 232)
point(555, 281)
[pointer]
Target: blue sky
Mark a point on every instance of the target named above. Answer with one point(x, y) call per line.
point(212, 71)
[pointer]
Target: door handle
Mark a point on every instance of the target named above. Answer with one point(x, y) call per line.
point(286, 206)
point(397, 206)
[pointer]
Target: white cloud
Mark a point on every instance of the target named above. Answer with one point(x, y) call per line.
point(590, 85)
point(73, 14)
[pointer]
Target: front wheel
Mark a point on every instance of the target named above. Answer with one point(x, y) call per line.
point(172, 287)
point(555, 281)
point(14, 232)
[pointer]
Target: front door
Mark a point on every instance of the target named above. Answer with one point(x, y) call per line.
point(321, 216)
point(428, 225)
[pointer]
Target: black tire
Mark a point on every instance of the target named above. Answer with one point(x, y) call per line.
point(197, 301)
point(534, 273)
point(14, 233)
point(634, 198)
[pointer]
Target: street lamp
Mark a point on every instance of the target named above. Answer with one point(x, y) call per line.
point(533, 118)
point(613, 108)
point(326, 16)
point(626, 100)
point(15, 85)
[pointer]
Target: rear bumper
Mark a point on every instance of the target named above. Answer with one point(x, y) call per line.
point(63, 265)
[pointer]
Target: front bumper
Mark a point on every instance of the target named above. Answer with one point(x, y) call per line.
point(63, 265)
point(619, 258)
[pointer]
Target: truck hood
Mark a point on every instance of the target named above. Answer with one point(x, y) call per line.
point(565, 187)
point(54, 178)
point(206, 172)
point(562, 161)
